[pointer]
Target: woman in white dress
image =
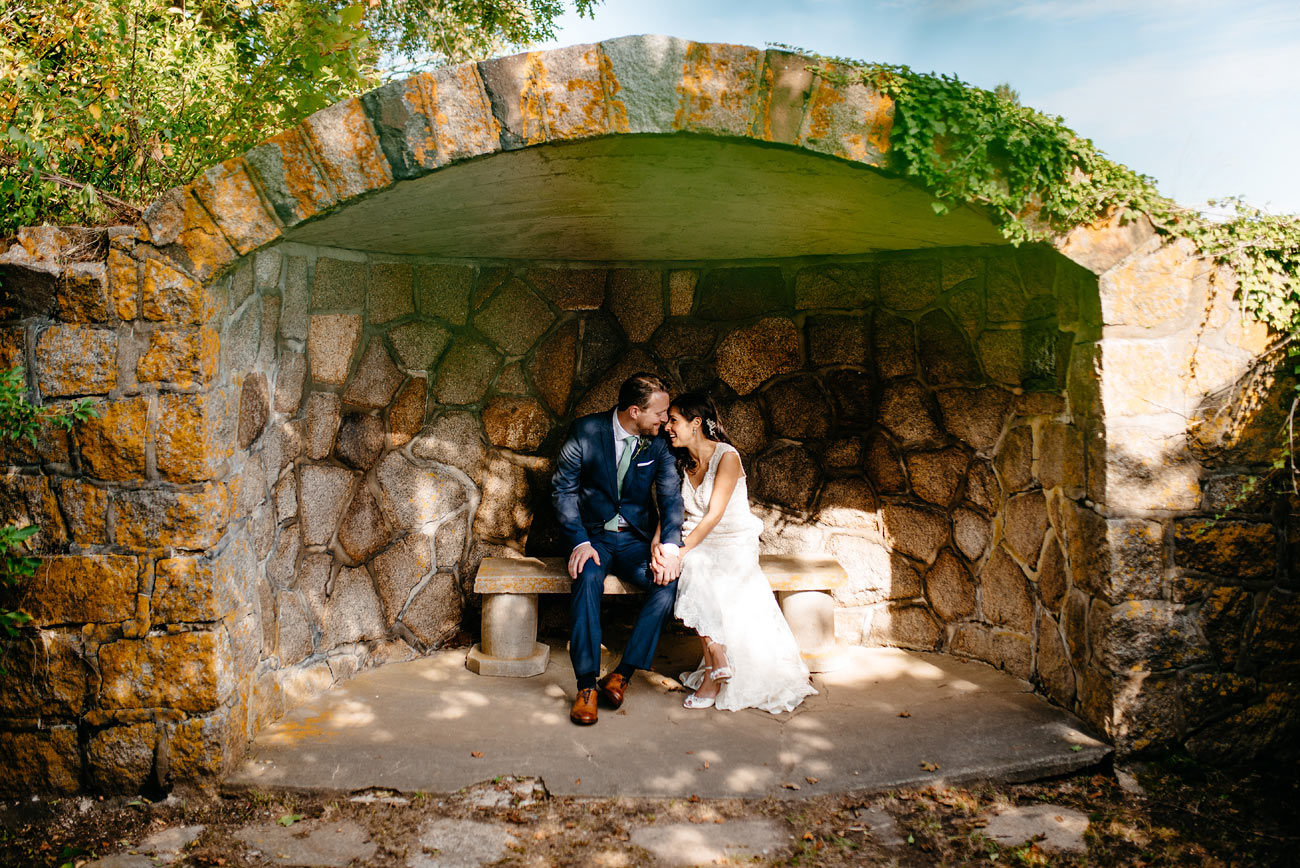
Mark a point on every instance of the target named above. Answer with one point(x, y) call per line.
point(750, 659)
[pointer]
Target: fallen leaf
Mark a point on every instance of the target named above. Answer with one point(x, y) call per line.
point(289, 819)
point(689, 752)
point(904, 714)
point(706, 764)
point(693, 798)
point(810, 780)
point(929, 766)
point(790, 786)
point(808, 836)
point(477, 754)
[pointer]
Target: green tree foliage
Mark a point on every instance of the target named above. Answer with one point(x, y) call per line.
point(104, 104)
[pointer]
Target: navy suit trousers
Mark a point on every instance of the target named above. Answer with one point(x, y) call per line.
point(627, 556)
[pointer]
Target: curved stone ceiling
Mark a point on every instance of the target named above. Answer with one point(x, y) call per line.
point(644, 197)
point(644, 148)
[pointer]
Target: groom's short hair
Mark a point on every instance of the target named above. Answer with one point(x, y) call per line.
point(637, 390)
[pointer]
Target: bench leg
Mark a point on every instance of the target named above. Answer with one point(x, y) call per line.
point(811, 616)
point(509, 647)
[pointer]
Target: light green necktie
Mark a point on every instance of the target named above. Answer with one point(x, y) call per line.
point(624, 462)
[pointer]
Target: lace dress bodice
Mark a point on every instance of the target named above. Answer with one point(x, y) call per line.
point(737, 521)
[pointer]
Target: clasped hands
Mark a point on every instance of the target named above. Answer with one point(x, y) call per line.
point(665, 563)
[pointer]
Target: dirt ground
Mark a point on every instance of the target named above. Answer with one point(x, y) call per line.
point(1186, 815)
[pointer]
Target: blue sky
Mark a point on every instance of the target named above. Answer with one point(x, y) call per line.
point(1203, 95)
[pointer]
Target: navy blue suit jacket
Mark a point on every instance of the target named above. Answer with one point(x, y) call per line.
point(586, 484)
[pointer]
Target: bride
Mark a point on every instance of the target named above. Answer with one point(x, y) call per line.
point(750, 659)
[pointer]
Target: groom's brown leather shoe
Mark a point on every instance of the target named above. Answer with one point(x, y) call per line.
point(612, 687)
point(583, 712)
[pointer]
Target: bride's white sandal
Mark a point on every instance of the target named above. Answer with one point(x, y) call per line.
point(694, 701)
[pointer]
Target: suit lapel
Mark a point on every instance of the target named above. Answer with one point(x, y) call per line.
point(607, 455)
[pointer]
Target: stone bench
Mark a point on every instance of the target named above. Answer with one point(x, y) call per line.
point(510, 587)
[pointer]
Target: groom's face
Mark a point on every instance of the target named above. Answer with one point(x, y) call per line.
point(648, 419)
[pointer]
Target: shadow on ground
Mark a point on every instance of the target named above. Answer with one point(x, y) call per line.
point(887, 718)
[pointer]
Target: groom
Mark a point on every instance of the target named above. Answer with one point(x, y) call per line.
point(610, 469)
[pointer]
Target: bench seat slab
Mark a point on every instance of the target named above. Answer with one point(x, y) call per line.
point(551, 576)
point(510, 587)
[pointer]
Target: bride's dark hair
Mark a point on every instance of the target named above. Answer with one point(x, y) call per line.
point(692, 406)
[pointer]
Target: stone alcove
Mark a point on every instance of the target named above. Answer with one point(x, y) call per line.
point(333, 374)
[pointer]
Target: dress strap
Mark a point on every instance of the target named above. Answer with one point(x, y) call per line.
point(720, 450)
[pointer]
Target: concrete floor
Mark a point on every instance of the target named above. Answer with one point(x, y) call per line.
point(431, 725)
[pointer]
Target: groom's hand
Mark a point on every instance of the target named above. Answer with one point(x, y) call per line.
point(578, 558)
point(667, 564)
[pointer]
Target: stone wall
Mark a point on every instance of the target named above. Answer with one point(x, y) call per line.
point(907, 414)
point(145, 638)
point(1192, 634)
point(296, 468)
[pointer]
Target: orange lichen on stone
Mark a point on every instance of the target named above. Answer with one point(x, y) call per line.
point(205, 746)
point(172, 296)
point(787, 81)
point(184, 357)
point(825, 97)
point(80, 589)
point(880, 125)
point(179, 219)
point(185, 671)
point(463, 121)
point(569, 84)
point(617, 109)
point(531, 101)
point(47, 761)
point(717, 90)
point(347, 149)
point(298, 177)
point(157, 520)
point(230, 197)
point(839, 113)
point(76, 360)
point(420, 94)
point(123, 284)
point(1101, 245)
point(113, 441)
point(190, 446)
point(765, 119)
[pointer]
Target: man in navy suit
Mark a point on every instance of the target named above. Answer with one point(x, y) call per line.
point(611, 470)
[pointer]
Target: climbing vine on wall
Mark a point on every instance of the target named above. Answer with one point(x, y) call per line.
point(1037, 178)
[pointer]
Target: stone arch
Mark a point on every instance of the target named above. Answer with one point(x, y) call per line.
point(1027, 494)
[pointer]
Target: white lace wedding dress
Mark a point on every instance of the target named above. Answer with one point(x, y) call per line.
point(724, 595)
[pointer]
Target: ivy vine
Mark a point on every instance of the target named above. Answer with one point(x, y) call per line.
point(1038, 178)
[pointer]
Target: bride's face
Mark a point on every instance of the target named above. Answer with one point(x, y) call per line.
point(680, 431)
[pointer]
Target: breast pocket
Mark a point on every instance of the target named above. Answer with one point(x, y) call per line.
point(639, 476)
